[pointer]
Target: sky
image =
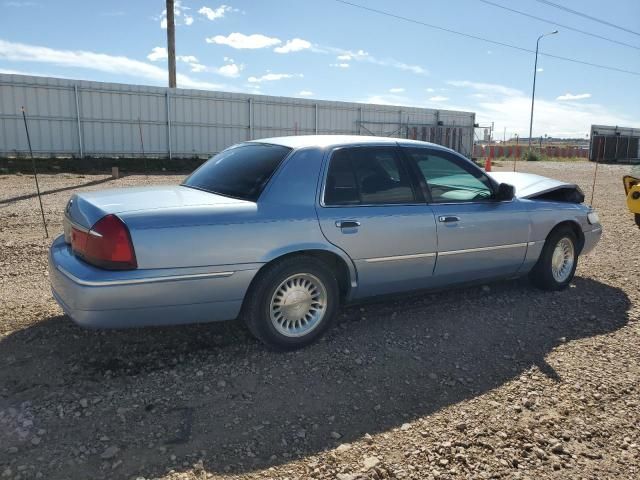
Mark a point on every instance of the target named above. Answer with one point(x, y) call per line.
point(326, 49)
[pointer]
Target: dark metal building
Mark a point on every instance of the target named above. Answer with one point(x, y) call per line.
point(614, 144)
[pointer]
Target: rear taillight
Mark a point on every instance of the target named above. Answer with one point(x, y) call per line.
point(107, 245)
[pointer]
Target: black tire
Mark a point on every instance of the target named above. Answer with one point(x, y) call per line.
point(542, 275)
point(637, 218)
point(256, 311)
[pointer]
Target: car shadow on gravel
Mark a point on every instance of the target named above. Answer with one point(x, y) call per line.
point(27, 196)
point(77, 403)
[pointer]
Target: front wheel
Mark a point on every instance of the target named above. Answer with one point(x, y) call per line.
point(558, 261)
point(292, 303)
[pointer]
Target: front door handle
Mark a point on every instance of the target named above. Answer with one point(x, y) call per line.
point(448, 218)
point(347, 223)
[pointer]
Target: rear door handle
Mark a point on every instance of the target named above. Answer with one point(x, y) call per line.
point(448, 218)
point(347, 223)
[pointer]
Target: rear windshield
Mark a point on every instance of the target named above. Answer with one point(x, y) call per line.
point(239, 172)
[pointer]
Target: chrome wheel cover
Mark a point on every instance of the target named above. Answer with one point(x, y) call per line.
point(298, 305)
point(562, 260)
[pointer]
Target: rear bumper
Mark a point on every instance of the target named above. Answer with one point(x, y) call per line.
point(98, 298)
point(591, 239)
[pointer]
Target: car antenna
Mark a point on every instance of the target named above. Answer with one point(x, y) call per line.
point(595, 174)
point(35, 172)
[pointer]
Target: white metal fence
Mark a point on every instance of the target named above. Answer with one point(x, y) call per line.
point(81, 118)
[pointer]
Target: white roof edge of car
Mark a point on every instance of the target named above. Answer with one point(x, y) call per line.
point(302, 141)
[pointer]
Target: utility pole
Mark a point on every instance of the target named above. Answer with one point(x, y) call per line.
point(171, 44)
point(533, 93)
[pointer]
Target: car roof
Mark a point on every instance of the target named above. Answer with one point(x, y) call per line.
point(302, 141)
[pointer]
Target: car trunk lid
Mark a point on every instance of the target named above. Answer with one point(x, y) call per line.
point(86, 208)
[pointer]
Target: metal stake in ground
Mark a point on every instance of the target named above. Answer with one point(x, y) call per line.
point(35, 172)
point(144, 158)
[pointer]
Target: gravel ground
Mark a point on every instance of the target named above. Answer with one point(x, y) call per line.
point(494, 381)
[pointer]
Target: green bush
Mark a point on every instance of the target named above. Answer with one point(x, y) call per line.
point(532, 156)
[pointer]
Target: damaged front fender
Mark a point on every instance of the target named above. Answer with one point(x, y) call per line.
point(531, 186)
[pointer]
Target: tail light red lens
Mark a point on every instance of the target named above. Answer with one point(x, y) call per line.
point(107, 245)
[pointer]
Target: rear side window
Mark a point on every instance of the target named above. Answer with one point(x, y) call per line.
point(239, 172)
point(367, 176)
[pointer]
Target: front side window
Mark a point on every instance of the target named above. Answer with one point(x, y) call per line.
point(239, 172)
point(367, 176)
point(448, 179)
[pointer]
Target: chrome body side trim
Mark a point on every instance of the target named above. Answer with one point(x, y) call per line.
point(399, 257)
point(135, 281)
point(483, 249)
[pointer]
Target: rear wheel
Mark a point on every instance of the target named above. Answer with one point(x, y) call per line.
point(292, 303)
point(558, 261)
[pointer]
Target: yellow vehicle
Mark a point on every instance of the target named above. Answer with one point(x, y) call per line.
point(632, 190)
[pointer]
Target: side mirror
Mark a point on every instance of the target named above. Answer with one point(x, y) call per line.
point(505, 192)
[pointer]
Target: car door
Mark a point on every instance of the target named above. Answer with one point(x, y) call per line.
point(478, 236)
point(372, 209)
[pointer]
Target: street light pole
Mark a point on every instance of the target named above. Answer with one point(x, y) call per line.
point(533, 93)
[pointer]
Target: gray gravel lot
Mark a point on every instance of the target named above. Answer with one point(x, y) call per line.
point(494, 381)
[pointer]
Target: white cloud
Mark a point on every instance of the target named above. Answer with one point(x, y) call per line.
point(509, 107)
point(404, 66)
point(230, 70)
point(305, 93)
point(431, 90)
point(186, 58)
point(349, 55)
point(197, 67)
point(180, 17)
point(158, 53)
point(294, 45)
point(569, 96)
point(33, 74)
point(213, 14)
point(363, 56)
point(489, 88)
point(242, 41)
point(396, 90)
point(339, 65)
point(439, 98)
point(540, 69)
point(20, 4)
point(388, 99)
point(113, 64)
point(270, 77)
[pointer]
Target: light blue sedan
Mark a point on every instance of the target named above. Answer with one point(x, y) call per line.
point(280, 232)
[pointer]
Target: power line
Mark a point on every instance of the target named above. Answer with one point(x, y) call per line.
point(482, 39)
point(584, 15)
point(552, 22)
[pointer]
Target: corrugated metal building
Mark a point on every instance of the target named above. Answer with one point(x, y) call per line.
point(614, 144)
point(82, 118)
